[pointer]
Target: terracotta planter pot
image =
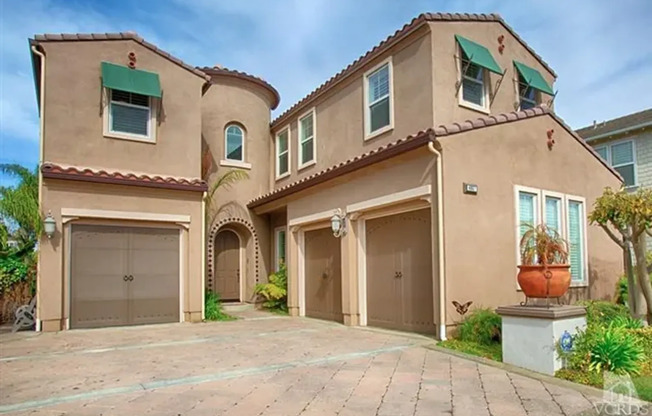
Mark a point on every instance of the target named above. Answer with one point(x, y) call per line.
point(534, 283)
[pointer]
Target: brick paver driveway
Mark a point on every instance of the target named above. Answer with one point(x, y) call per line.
point(261, 366)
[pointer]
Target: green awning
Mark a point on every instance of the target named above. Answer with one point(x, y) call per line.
point(533, 78)
point(478, 54)
point(120, 77)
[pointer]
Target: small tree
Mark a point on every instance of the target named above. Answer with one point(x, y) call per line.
point(627, 218)
point(226, 180)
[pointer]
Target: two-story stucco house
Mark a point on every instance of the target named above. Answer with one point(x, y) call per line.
point(429, 152)
point(626, 144)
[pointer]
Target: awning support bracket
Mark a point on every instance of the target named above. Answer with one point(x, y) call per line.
point(498, 83)
point(458, 84)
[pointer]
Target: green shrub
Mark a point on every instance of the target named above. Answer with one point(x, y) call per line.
point(615, 350)
point(275, 290)
point(482, 326)
point(493, 351)
point(13, 269)
point(627, 322)
point(601, 313)
point(213, 308)
point(644, 337)
point(588, 378)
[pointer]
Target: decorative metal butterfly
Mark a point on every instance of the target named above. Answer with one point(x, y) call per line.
point(462, 309)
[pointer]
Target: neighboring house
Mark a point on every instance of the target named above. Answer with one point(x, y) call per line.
point(434, 147)
point(626, 144)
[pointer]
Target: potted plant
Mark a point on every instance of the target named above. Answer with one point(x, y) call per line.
point(544, 271)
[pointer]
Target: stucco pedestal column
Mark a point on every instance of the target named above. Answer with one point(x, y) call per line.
point(530, 334)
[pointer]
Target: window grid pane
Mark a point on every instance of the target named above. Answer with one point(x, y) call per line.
point(473, 91)
point(129, 119)
point(526, 211)
point(283, 165)
point(622, 153)
point(552, 213)
point(576, 240)
point(306, 128)
point(379, 84)
point(234, 138)
point(280, 247)
point(627, 172)
point(307, 151)
point(379, 115)
point(602, 151)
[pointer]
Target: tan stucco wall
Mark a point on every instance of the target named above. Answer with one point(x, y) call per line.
point(339, 112)
point(444, 50)
point(241, 102)
point(480, 240)
point(57, 194)
point(73, 113)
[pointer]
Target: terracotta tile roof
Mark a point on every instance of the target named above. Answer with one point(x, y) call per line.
point(55, 171)
point(118, 36)
point(393, 39)
point(414, 141)
point(620, 124)
point(221, 71)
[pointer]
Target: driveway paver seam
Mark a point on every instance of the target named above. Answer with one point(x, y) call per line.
point(389, 383)
point(554, 399)
point(362, 376)
point(484, 392)
point(423, 369)
point(511, 381)
point(307, 405)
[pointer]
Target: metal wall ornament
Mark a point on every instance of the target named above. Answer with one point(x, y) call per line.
point(338, 223)
point(462, 309)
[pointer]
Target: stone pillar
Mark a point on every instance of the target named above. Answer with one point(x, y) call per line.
point(530, 334)
point(349, 247)
point(293, 270)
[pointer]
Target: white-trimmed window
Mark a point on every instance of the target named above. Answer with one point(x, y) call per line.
point(280, 247)
point(564, 213)
point(528, 96)
point(130, 115)
point(474, 85)
point(307, 138)
point(622, 157)
point(576, 236)
point(378, 115)
point(283, 153)
point(234, 143)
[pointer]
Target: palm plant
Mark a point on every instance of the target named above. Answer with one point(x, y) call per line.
point(19, 204)
point(542, 245)
point(226, 180)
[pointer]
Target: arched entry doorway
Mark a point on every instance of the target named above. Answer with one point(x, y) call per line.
point(227, 266)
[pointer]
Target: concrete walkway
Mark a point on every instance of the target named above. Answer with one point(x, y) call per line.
point(263, 365)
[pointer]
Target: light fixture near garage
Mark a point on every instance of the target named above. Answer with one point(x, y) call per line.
point(338, 223)
point(49, 225)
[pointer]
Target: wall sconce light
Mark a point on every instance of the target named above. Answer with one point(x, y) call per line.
point(49, 225)
point(338, 223)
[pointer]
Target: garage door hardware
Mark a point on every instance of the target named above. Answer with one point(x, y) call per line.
point(129, 278)
point(398, 275)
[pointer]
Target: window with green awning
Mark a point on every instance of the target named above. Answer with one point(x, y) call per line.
point(478, 54)
point(533, 78)
point(118, 77)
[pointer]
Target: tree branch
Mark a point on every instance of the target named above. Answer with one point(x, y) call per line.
point(610, 233)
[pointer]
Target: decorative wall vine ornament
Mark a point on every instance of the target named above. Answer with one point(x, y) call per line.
point(217, 227)
point(462, 309)
point(132, 60)
point(551, 141)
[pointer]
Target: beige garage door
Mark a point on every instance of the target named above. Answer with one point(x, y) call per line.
point(323, 277)
point(399, 272)
point(123, 276)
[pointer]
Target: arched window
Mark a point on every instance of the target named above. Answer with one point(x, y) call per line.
point(234, 143)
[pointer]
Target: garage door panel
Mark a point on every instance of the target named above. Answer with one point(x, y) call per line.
point(154, 267)
point(323, 275)
point(101, 258)
point(98, 265)
point(399, 272)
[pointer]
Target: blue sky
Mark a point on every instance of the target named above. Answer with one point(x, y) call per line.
point(600, 49)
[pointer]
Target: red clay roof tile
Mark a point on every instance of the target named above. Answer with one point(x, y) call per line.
point(55, 171)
